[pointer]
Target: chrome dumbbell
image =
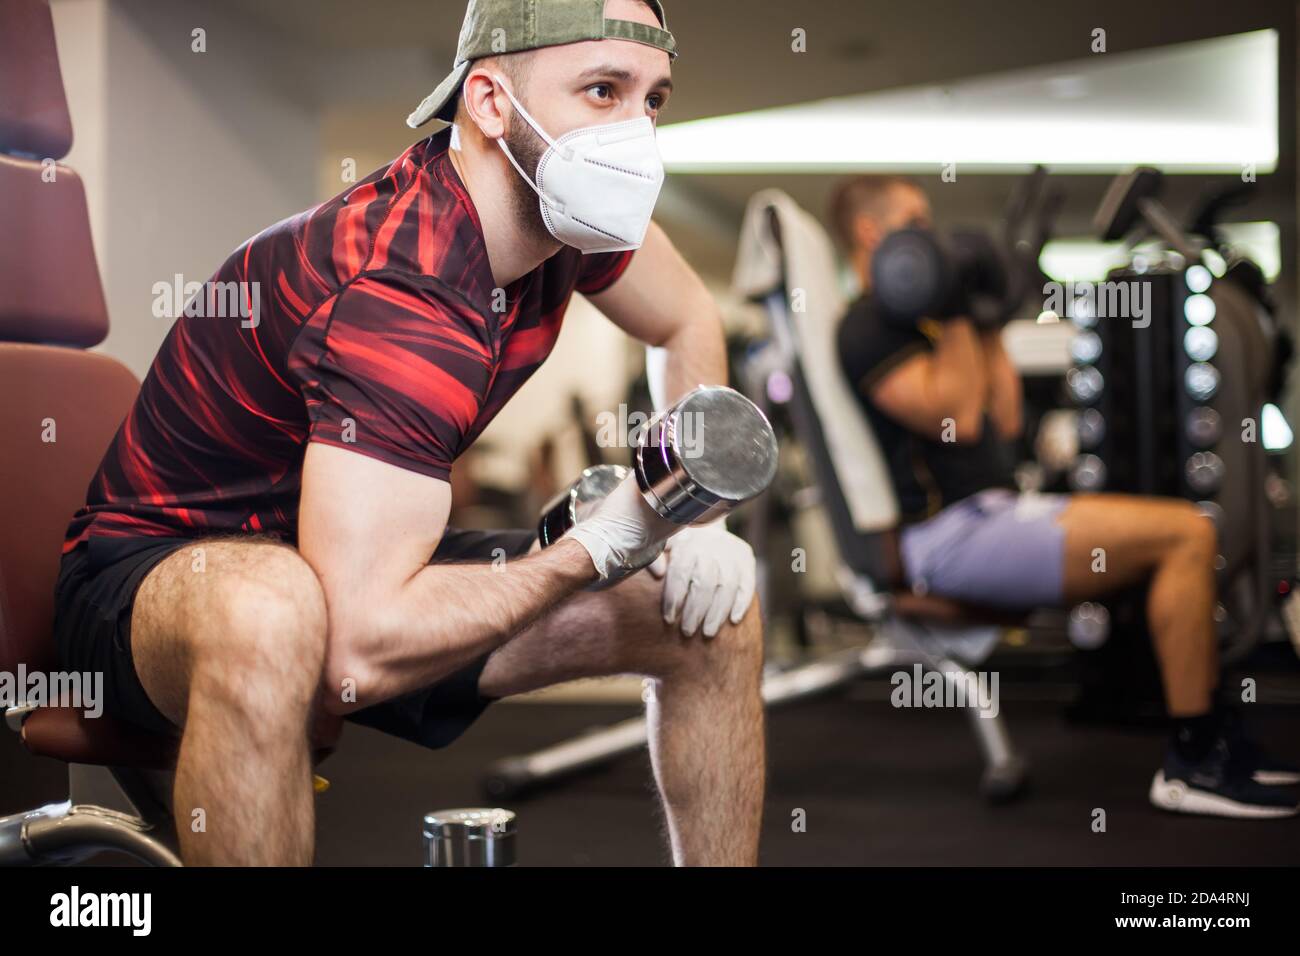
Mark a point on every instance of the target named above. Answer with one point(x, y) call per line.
point(710, 452)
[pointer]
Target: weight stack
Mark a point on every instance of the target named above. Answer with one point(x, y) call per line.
point(1148, 388)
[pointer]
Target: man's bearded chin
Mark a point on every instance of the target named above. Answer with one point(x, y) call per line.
point(527, 148)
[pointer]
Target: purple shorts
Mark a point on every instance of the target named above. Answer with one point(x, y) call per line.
point(996, 548)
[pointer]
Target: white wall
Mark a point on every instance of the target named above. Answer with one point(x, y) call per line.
point(184, 154)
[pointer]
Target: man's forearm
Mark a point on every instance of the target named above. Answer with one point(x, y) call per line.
point(959, 376)
point(446, 615)
point(1005, 394)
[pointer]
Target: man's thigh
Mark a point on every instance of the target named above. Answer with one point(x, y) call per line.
point(209, 591)
point(1035, 551)
point(142, 611)
point(997, 549)
point(203, 598)
point(129, 607)
point(1126, 535)
point(619, 630)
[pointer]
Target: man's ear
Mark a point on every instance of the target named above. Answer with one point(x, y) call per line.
point(481, 98)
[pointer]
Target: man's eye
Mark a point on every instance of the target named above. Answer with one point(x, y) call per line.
point(655, 102)
point(601, 91)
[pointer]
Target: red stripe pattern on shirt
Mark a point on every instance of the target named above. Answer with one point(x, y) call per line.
point(375, 331)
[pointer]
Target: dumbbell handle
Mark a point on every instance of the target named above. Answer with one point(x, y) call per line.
point(583, 497)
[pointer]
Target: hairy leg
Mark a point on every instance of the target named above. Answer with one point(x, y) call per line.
point(228, 638)
point(704, 715)
point(1170, 541)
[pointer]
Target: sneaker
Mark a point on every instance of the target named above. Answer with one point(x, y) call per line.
point(1266, 770)
point(1221, 785)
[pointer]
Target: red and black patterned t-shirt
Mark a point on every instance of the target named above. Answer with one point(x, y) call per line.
point(374, 325)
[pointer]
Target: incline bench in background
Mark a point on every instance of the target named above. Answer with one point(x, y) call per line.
point(786, 262)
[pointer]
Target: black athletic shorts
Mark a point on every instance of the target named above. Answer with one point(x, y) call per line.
point(92, 628)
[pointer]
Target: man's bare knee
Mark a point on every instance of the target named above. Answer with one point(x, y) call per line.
point(1198, 534)
point(743, 641)
point(734, 654)
point(262, 646)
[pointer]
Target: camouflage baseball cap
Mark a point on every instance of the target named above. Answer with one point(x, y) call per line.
point(494, 27)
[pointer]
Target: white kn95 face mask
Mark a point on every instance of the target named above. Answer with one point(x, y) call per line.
point(597, 185)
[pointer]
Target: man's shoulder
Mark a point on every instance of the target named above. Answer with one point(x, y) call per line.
point(861, 327)
point(870, 346)
point(861, 315)
point(407, 223)
point(864, 322)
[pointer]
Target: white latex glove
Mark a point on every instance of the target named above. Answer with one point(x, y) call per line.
point(622, 533)
point(711, 576)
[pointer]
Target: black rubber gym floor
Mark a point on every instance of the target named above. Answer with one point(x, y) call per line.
point(879, 786)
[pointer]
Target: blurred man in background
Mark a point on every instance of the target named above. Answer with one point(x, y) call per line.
point(945, 403)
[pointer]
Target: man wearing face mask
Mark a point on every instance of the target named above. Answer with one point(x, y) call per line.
point(264, 549)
